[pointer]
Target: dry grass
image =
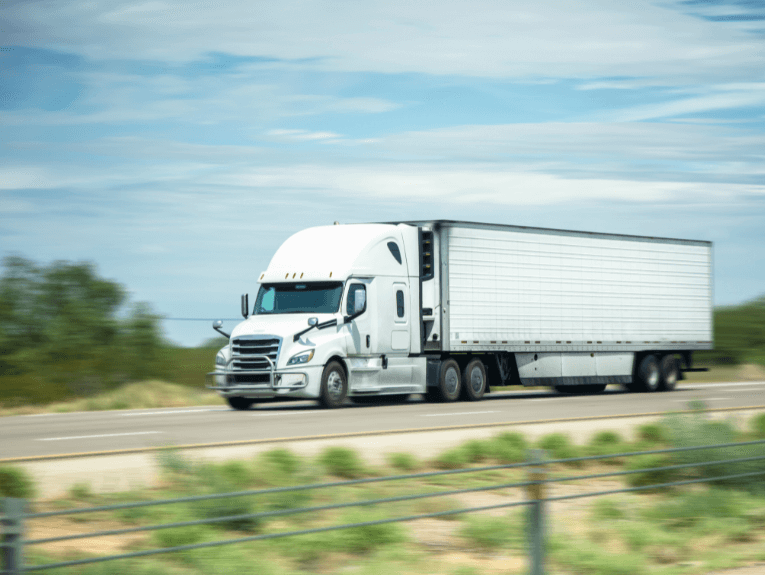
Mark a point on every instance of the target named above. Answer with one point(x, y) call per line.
point(142, 395)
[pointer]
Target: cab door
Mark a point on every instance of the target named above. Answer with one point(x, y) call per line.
point(363, 360)
point(393, 333)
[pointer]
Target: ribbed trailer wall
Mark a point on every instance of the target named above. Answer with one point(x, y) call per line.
point(522, 289)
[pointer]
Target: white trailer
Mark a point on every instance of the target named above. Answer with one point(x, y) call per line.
point(450, 308)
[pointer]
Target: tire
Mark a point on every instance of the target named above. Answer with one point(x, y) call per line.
point(449, 383)
point(334, 386)
point(648, 374)
point(240, 403)
point(474, 380)
point(670, 373)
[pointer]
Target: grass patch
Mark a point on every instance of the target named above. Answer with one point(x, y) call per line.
point(492, 533)
point(559, 446)
point(590, 558)
point(342, 462)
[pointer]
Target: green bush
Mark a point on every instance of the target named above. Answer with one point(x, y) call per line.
point(15, 482)
point(403, 461)
point(650, 475)
point(283, 460)
point(490, 533)
point(559, 446)
point(758, 426)
point(342, 462)
point(364, 539)
point(653, 433)
point(689, 430)
point(509, 447)
point(590, 558)
point(688, 509)
point(607, 443)
point(213, 482)
point(608, 508)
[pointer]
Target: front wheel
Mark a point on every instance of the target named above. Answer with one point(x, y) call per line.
point(334, 385)
point(240, 403)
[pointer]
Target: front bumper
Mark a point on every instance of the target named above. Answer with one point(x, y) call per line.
point(256, 383)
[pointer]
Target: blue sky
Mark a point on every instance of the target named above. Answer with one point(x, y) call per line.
point(177, 144)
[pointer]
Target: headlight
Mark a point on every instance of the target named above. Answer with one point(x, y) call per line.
point(220, 360)
point(304, 357)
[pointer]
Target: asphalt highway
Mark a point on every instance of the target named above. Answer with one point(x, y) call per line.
point(69, 433)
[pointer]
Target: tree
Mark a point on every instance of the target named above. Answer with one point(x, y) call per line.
point(64, 324)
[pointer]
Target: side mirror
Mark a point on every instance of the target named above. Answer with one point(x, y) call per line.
point(312, 321)
point(217, 327)
point(245, 305)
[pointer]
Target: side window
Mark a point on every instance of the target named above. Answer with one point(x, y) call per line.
point(400, 303)
point(357, 294)
point(393, 247)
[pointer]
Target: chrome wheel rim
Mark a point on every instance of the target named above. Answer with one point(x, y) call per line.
point(653, 378)
point(335, 384)
point(452, 380)
point(476, 379)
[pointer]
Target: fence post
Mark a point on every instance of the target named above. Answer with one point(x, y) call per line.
point(13, 515)
point(536, 518)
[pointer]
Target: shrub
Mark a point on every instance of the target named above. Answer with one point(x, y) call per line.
point(453, 459)
point(342, 462)
point(283, 460)
point(653, 433)
point(364, 539)
point(403, 461)
point(225, 506)
point(606, 443)
point(509, 447)
point(607, 509)
point(650, 475)
point(758, 426)
point(80, 491)
point(15, 482)
point(695, 430)
point(493, 532)
point(559, 446)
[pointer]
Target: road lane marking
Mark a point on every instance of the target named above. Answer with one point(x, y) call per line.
point(170, 412)
point(98, 436)
point(736, 384)
point(266, 441)
point(288, 412)
point(460, 413)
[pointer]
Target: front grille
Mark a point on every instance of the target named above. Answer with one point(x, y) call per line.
point(249, 378)
point(244, 348)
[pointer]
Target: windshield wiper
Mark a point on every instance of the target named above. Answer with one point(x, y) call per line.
point(328, 323)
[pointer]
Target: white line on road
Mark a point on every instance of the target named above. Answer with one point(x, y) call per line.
point(690, 386)
point(289, 412)
point(701, 399)
point(170, 412)
point(460, 413)
point(97, 436)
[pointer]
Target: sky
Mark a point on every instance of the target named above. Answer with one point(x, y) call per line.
point(176, 144)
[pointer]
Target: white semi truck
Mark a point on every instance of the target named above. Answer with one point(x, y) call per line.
point(449, 309)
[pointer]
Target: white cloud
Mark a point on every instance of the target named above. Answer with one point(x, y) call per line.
point(488, 38)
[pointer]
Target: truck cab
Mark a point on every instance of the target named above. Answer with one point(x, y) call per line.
point(337, 313)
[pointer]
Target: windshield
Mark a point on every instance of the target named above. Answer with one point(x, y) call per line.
point(318, 297)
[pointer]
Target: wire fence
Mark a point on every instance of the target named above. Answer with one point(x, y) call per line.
point(15, 514)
